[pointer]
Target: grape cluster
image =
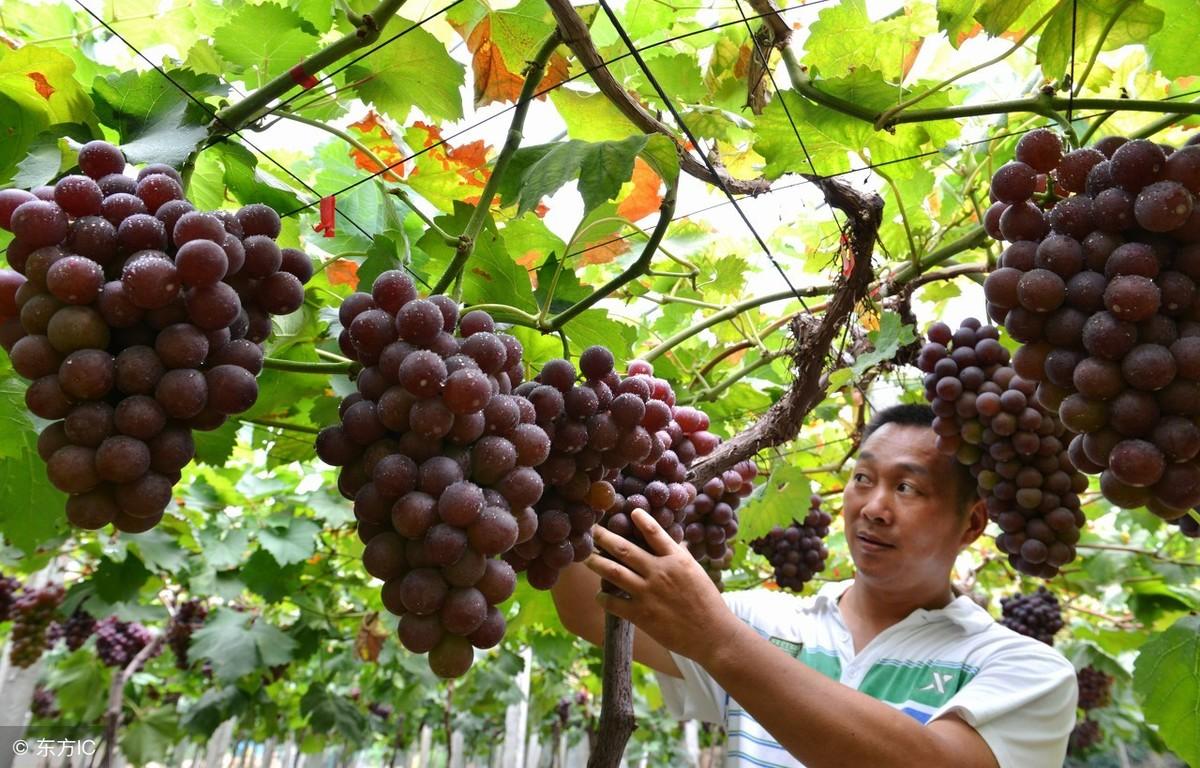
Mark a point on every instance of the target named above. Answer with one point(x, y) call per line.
point(1037, 615)
point(990, 419)
point(1084, 736)
point(9, 587)
point(1098, 283)
point(32, 614)
point(44, 703)
point(797, 553)
point(118, 642)
point(188, 618)
point(658, 484)
point(438, 456)
point(137, 319)
point(1095, 688)
point(382, 711)
point(78, 627)
point(710, 522)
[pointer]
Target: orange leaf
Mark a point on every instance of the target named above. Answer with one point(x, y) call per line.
point(41, 84)
point(644, 198)
point(602, 250)
point(493, 79)
point(910, 56)
point(343, 272)
point(965, 36)
point(375, 136)
point(371, 635)
point(469, 161)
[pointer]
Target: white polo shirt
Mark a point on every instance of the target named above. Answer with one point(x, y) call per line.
point(1018, 693)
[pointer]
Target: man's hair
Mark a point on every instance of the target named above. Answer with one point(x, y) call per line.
point(919, 415)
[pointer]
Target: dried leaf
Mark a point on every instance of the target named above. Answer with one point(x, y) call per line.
point(41, 85)
point(644, 198)
point(343, 272)
point(493, 79)
point(375, 136)
point(371, 635)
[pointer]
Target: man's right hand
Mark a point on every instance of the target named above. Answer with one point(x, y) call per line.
point(575, 599)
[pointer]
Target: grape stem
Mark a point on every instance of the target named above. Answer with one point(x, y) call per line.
point(116, 695)
point(251, 108)
point(273, 424)
point(479, 216)
point(1150, 553)
point(302, 366)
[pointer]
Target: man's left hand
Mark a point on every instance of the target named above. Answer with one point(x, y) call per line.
point(669, 596)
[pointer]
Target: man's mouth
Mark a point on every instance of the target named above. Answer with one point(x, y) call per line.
point(872, 540)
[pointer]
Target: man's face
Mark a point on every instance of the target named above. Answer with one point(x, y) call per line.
point(903, 522)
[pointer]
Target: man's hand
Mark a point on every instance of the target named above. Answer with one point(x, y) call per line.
point(670, 597)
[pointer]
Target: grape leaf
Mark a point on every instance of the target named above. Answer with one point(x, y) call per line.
point(443, 173)
point(119, 582)
point(76, 679)
point(891, 39)
point(494, 81)
point(260, 42)
point(239, 643)
point(215, 706)
point(132, 101)
point(41, 80)
point(413, 70)
point(1085, 21)
point(1172, 48)
point(250, 185)
point(265, 577)
point(289, 539)
point(1166, 676)
point(223, 552)
point(591, 116)
point(601, 168)
point(328, 711)
point(170, 139)
point(150, 735)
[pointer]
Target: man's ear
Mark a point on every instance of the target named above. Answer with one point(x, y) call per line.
point(977, 520)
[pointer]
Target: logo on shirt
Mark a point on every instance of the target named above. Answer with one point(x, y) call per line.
point(939, 682)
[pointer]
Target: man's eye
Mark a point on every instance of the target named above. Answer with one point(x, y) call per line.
point(908, 487)
point(859, 477)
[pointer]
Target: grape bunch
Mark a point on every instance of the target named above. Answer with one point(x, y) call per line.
point(438, 456)
point(118, 642)
point(1188, 526)
point(797, 552)
point(137, 319)
point(1037, 615)
point(1098, 283)
point(44, 704)
point(188, 618)
point(710, 522)
point(992, 420)
point(78, 627)
point(32, 614)
point(1084, 736)
point(383, 711)
point(1095, 688)
point(9, 587)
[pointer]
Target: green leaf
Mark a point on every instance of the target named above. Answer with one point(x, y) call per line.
point(222, 553)
point(601, 168)
point(289, 540)
point(782, 498)
point(660, 153)
point(215, 706)
point(132, 101)
point(262, 41)
point(29, 505)
point(328, 711)
point(119, 582)
point(383, 254)
point(161, 551)
point(826, 136)
point(150, 735)
point(49, 156)
point(591, 116)
point(414, 70)
point(216, 447)
point(76, 679)
point(248, 184)
point(265, 577)
point(1172, 48)
point(170, 139)
point(1085, 21)
point(239, 643)
point(41, 80)
point(1166, 676)
point(893, 334)
point(891, 40)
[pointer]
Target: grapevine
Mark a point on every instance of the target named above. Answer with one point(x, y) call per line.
point(137, 319)
point(798, 551)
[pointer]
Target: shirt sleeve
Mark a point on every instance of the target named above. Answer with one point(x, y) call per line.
point(1022, 703)
point(696, 696)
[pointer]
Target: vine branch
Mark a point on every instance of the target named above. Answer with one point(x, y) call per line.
point(302, 366)
point(116, 695)
point(466, 241)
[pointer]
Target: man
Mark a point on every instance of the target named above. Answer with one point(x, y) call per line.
point(887, 670)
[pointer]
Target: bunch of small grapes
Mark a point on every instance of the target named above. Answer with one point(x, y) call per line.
point(78, 627)
point(9, 587)
point(32, 614)
point(1037, 615)
point(1188, 526)
point(44, 704)
point(1084, 736)
point(797, 553)
point(136, 319)
point(1095, 688)
point(988, 417)
point(439, 458)
point(710, 521)
point(188, 618)
point(382, 711)
point(1098, 283)
point(118, 642)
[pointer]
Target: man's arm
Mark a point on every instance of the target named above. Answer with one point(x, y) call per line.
point(819, 721)
point(575, 599)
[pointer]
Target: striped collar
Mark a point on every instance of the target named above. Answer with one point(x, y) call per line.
point(962, 611)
